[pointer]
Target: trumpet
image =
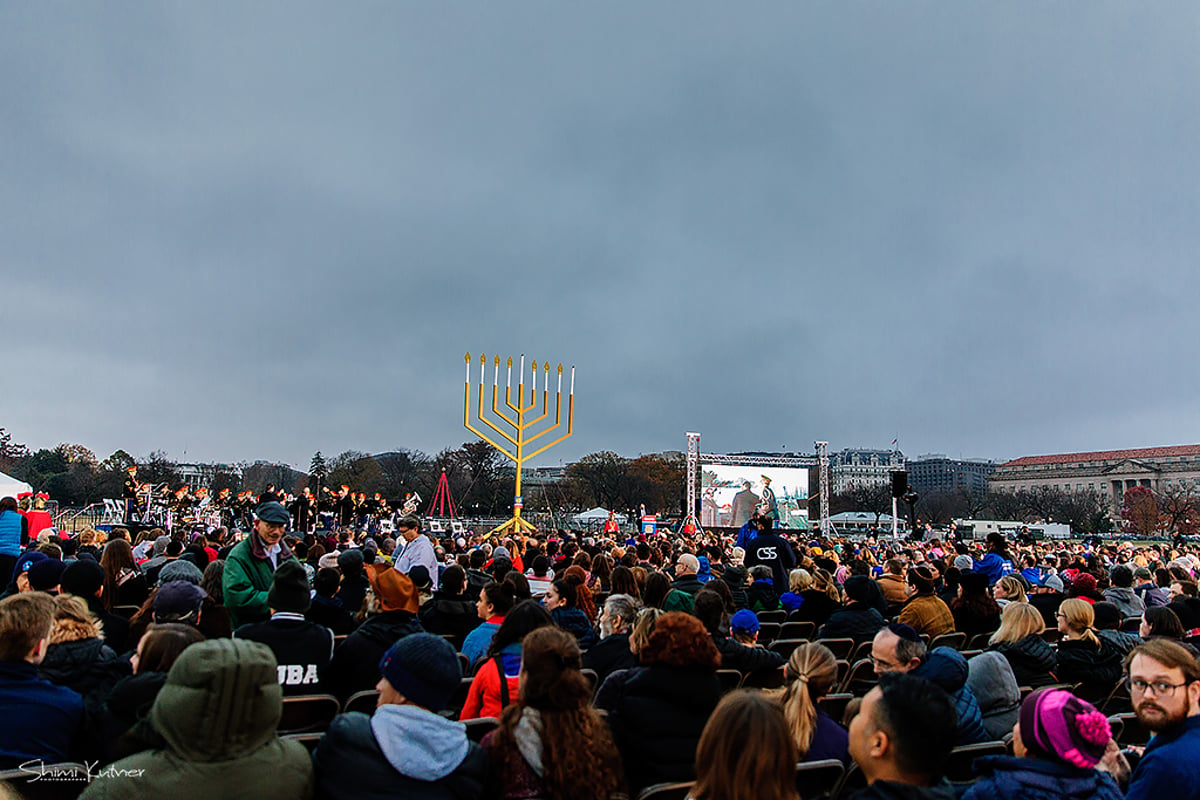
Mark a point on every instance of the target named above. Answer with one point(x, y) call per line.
point(411, 503)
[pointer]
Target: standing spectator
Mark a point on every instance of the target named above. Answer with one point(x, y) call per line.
point(497, 679)
point(769, 549)
point(495, 601)
point(903, 734)
point(686, 568)
point(406, 749)
point(392, 616)
point(997, 562)
point(302, 649)
point(1057, 743)
point(1164, 686)
point(232, 754)
point(41, 720)
point(551, 743)
point(975, 610)
point(1019, 639)
point(417, 550)
point(540, 576)
point(325, 610)
point(251, 564)
point(745, 750)
point(14, 532)
point(925, 612)
point(612, 652)
point(658, 709)
point(811, 673)
point(1083, 657)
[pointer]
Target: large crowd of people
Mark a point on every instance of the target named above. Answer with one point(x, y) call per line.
point(596, 665)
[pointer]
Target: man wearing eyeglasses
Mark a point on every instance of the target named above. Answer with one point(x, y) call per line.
point(1164, 687)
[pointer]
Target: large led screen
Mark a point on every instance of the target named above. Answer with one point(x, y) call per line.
point(729, 495)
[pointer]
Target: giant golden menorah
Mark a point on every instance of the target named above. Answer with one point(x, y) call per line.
point(520, 438)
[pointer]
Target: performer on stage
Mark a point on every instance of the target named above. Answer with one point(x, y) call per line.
point(345, 507)
point(767, 506)
point(611, 525)
point(129, 493)
point(302, 511)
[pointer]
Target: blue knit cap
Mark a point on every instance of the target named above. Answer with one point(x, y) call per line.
point(424, 668)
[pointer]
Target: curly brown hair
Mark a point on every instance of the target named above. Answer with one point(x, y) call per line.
point(680, 640)
point(579, 755)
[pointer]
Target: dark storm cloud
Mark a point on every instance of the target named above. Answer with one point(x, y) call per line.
point(261, 232)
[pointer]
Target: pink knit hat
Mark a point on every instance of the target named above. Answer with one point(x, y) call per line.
point(1057, 724)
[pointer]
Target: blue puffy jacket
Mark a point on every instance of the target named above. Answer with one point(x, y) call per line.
point(994, 567)
point(947, 667)
point(1009, 778)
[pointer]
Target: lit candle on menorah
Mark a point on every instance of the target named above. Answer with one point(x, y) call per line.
point(516, 433)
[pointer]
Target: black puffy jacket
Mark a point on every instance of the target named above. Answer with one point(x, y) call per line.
point(656, 715)
point(1080, 661)
point(355, 663)
point(856, 621)
point(1031, 659)
point(88, 666)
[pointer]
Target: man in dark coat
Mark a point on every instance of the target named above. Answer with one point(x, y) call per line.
point(406, 749)
point(771, 550)
point(612, 652)
point(858, 620)
point(85, 578)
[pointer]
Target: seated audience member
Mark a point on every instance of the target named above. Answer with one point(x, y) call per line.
point(1019, 639)
point(798, 581)
point(85, 579)
point(1083, 586)
point(1083, 657)
point(352, 590)
point(1057, 743)
point(227, 754)
point(449, 612)
point(990, 678)
point(659, 594)
point(687, 566)
point(892, 583)
point(925, 612)
point(540, 576)
point(561, 602)
point(392, 615)
point(41, 720)
point(1162, 622)
point(494, 603)
point(709, 609)
point(901, 739)
point(612, 652)
point(762, 594)
point(811, 673)
point(859, 620)
point(406, 749)
point(1164, 687)
point(497, 679)
point(1150, 593)
point(975, 610)
point(127, 709)
point(745, 750)
point(1121, 593)
point(1009, 589)
point(325, 610)
point(476, 577)
point(302, 649)
point(657, 710)
point(744, 627)
point(77, 657)
point(820, 600)
point(178, 601)
point(551, 742)
point(1107, 626)
point(124, 583)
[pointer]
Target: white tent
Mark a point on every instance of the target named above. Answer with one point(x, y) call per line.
point(11, 487)
point(596, 514)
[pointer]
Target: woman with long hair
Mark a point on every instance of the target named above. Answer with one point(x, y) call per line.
point(495, 601)
point(1160, 622)
point(1084, 657)
point(821, 599)
point(77, 656)
point(657, 709)
point(497, 680)
point(583, 594)
point(551, 743)
point(562, 601)
point(124, 583)
point(623, 582)
point(1009, 589)
point(602, 567)
point(1019, 639)
point(811, 672)
point(975, 610)
point(746, 752)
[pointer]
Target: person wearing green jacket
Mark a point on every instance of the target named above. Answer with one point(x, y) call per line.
point(217, 715)
point(251, 565)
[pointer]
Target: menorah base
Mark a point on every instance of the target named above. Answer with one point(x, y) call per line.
point(514, 525)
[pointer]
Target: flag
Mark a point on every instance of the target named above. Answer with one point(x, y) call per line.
point(894, 442)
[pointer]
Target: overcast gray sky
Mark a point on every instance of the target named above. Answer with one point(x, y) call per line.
point(258, 230)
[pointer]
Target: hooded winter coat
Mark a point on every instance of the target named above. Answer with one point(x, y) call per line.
point(217, 714)
point(401, 751)
point(1126, 600)
point(1032, 660)
point(857, 621)
point(1011, 778)
point(575, 622)
point(947, 668)
point(995, 688)
point(80, 660)
point(1080, 661)
point(355, 663)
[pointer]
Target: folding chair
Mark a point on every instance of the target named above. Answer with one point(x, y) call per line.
point(817, 778)
point(593, 678)
point(1131, 624)
point(835, 705)
point(768, 632)
point(126, 612)
point(862, 651)
point(481, 727)
point(960, 765)
point(364, 701)
point(797, 630)
point(1132, 731)
point(955, 640)
point(308, 713)
point(778, 616)
point(853, 781)
point(666, 791)
point(859, 678)
point(309, 740)
point(464, 661)
point(730, 679)
point(764, 679)
point(785, 647)
point(1051, 635)
point(459, 698)
point(841, 648)
point(979, 641)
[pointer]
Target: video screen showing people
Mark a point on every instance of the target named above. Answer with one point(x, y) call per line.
point(730, 495)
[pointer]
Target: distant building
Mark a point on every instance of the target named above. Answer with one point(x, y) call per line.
point(1109, 472)
point(937, 473)
point(200, 476)
point(855, 467)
